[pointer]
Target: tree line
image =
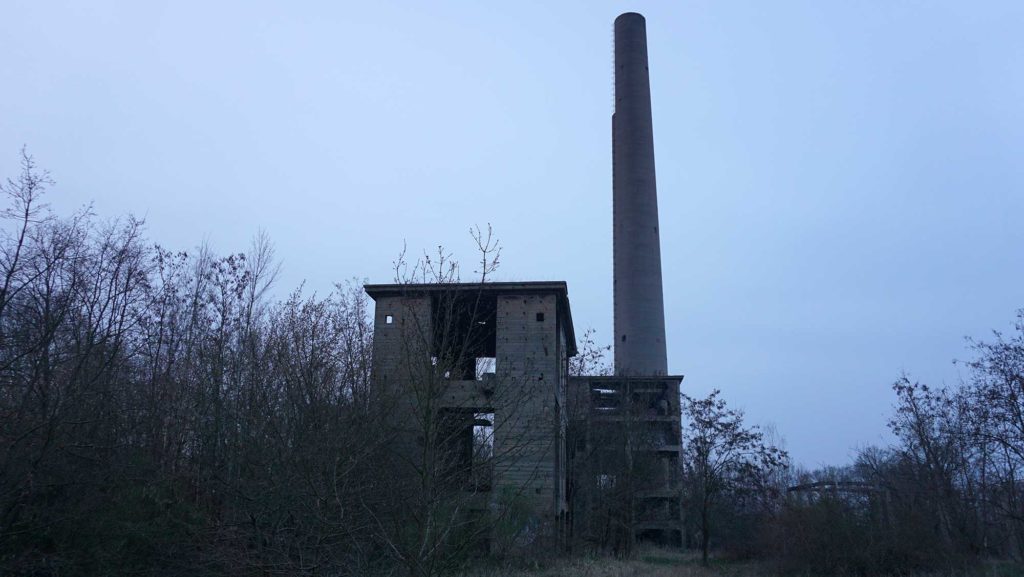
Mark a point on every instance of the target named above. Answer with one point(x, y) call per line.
point(946, 495)
point(162, 414)
point(159, 415)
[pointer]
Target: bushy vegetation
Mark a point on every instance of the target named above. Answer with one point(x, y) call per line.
point(161, 415)
point(945, 497)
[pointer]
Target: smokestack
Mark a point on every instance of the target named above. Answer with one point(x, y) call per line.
point(639, 306)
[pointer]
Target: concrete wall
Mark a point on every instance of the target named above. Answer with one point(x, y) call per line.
point(526, 394)
point(528, 433)
point(404, 338)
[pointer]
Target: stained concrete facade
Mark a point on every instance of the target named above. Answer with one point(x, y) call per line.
point(565, 446)
point(505, 349)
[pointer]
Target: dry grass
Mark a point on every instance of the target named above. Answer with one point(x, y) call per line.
point(649, 563)
point(673, 563)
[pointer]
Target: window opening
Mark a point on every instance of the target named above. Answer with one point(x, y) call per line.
point(482, 466)
point(485, 368)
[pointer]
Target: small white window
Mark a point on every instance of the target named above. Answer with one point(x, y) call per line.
point(388, 319)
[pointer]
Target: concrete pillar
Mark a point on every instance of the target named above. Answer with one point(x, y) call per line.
point(639, 305)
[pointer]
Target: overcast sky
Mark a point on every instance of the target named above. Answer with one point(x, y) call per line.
point(840, 182)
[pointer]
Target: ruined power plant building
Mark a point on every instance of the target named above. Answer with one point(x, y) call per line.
point(591, 457)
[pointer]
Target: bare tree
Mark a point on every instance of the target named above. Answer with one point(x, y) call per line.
point(591, 358)
point(158, 410)
point(995, 398)
point(722, 457)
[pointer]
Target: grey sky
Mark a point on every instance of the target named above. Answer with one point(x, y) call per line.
point(840, 182)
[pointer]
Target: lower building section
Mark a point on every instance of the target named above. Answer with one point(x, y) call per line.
point(624, 448)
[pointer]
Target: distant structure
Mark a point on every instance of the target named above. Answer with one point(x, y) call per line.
point(596, 457)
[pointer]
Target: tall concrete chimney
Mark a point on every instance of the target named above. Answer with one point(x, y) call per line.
point(639, 305)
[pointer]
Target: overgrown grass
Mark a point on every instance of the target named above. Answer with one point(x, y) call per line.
point(1001, 569)
point(648, 563)
point(669, 563)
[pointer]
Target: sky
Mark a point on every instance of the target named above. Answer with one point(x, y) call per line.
point(840, 183)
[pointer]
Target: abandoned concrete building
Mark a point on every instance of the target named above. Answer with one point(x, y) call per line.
point(586, 454)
